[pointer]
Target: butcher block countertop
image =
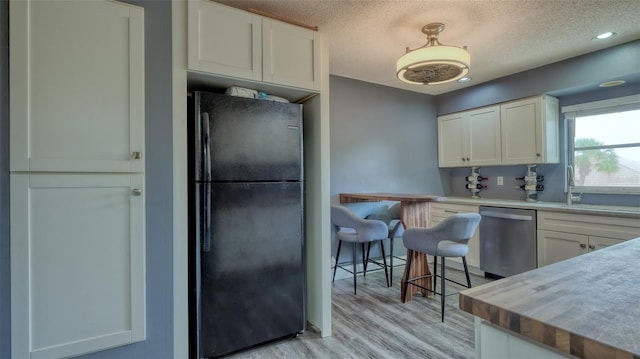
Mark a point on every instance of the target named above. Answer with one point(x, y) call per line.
point(587, 306)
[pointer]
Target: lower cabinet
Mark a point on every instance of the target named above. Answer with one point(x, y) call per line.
point(493, 342)
point(441, 211)
point(77, 263)
point(565, 235)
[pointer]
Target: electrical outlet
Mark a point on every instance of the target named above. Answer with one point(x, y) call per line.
point(500, 180)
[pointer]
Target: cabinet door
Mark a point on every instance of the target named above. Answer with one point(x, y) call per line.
point(529, 131)
point(451, 141)
point(77, 86)
point(224, 40)
point(77, 263)
point(290, 55)
point(484, 136)
point(558, 246)
point(596, 242)
point(521, 131)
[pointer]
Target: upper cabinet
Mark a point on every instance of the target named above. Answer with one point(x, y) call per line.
point(230, 42)
point(517, 132)
point(530, 131)
point(77, 87)
point(470, 138)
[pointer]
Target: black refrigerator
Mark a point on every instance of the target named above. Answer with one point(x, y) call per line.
point(247, 283)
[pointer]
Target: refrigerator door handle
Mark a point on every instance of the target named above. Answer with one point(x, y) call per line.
point(206, 146)
point(206, 241)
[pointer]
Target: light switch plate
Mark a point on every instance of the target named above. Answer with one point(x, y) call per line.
point(500, 180)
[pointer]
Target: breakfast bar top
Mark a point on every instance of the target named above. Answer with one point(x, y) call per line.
point(403, 197)
point(587, 306)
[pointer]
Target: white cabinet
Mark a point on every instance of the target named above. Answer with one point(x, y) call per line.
point(224, 40)
point(231, 42)
point(529, 130)
point(565, 235)
point(77, 176)
point(512, 133)
point(77, 86)
point(441, 211)
point(77, 263)
point(470, 138)
point(493, 342)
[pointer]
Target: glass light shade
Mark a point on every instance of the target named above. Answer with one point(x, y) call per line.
point(432, 65)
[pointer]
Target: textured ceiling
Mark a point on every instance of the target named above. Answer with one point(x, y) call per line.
point(504, 37)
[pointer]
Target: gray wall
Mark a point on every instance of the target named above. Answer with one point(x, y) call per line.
point(382, 140)
point(158, 132)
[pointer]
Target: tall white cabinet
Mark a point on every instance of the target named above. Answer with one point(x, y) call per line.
point(77, 177)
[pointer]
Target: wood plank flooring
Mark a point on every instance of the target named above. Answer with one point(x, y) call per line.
point(376, 324)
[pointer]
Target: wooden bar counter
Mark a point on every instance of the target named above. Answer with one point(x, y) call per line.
point(414, 213)
point(587, 306)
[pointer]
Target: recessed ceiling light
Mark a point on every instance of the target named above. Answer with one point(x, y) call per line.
point(606, 35)
point(612, 83)
point(465, 79)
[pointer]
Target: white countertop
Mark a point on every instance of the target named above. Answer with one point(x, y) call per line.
point(618, 211)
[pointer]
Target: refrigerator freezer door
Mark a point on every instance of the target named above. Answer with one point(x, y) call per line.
point(250, 140)
point(252, 277)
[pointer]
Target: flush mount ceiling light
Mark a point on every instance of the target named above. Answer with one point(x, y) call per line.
point(603, 36)
point(433, 63)
point(612, 83)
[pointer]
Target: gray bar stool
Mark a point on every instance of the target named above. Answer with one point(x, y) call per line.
point(351, 228)
point(449, 238)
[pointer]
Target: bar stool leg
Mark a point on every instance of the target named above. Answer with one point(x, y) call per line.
point(365, 260)
point(407, 271)
point(355, 267)
point(335, 268)
point(435, 273)
point(442, 289)
point(384, 262)
point(466, 271)
point(391, 262)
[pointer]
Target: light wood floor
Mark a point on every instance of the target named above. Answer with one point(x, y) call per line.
point(376, 324)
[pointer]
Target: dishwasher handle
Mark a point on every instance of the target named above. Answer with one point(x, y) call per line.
point(505, 216)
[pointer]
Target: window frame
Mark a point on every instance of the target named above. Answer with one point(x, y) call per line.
point(619, 104)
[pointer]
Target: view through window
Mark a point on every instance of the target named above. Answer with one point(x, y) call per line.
point(605, 151)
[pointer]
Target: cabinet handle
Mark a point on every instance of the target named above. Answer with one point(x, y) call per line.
point(136, 191)
point(592, 246)
point(582, 245)
point(449, 211)
point(136, 155)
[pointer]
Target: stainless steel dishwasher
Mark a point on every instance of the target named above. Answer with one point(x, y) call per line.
point(507, 241)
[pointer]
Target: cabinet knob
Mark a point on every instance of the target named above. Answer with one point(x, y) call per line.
point(538, 155)
point(582, 245)
point(462, 159)
point(136, 191)
point(468, 159)
point(592, 246)
point(136, 155)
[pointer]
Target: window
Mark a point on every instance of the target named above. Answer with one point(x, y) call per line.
point(604, 145)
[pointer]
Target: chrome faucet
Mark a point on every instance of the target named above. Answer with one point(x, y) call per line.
point(570, 183)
